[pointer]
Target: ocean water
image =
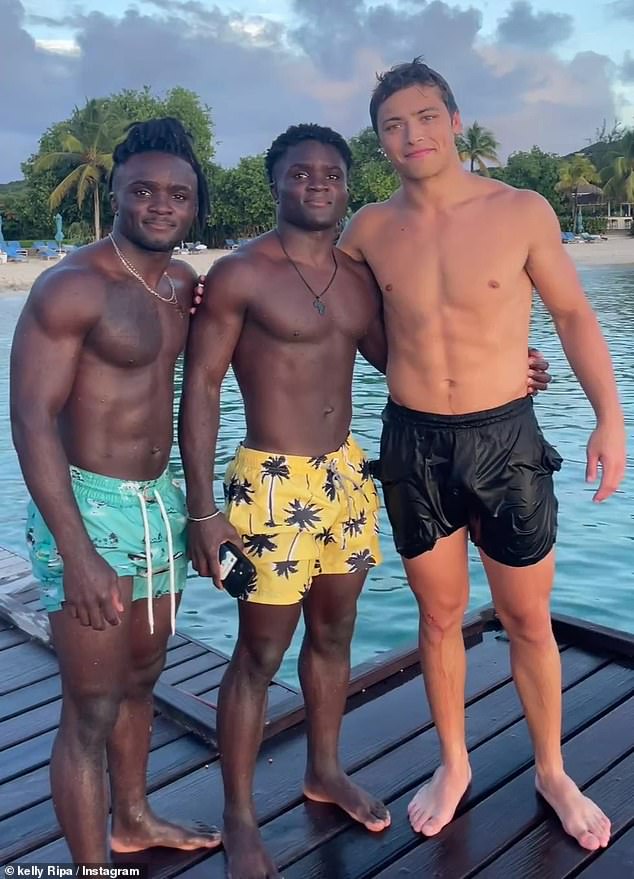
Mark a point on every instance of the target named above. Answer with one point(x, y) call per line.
point(595, 562)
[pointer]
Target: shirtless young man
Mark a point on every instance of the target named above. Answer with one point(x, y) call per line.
point(456, 256)
point(289, 313)
point(91, 409)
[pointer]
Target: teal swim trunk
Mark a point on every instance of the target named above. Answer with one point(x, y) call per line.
point(128, 523)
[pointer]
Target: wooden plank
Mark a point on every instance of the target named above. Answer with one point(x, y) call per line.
point(483, 831)
point(31, 696)
point(617, 860)
point(30, 723)
point(29, 663)
point(9, 638)
point(547, 851)
point(496, 736)
point(35, 625)
point(201, 663)
point(592, 636)
point(280, 768)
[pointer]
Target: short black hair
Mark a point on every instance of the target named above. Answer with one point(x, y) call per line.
point(166, 135)
point(299, 134)
point(402, 76)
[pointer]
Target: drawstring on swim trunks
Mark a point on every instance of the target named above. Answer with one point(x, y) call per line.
point(341, 480)
point(148, 559)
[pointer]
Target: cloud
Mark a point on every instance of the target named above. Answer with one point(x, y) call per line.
point(534, 30)
point(260, 76)
point(622, 8)
point(627, 68)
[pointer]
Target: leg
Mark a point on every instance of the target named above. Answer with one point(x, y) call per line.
point(522, 600)
point(93, 667)
point(264, 634)
point(439, 580)
point(134, 826)
point(330, 610)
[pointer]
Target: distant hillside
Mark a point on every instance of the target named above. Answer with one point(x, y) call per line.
point(598, 152)
point(12, 188)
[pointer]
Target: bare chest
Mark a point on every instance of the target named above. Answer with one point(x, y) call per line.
point(137, 330)
point(292, 311)
point(466, 264)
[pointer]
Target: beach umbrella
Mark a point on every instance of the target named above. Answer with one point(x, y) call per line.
point(3, 243)
point(579, 223)
point(59, 234)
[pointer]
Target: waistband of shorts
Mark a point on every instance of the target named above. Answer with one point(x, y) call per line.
point(255, 458)
point(394, 412)
point(119, 491)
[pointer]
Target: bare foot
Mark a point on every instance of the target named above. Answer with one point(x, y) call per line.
point(436, 802)
point(148, 831)
point(580, 817)
point(247, 857)
point(339, 790)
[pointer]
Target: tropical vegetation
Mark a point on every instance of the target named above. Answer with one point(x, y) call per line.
point(70, 169)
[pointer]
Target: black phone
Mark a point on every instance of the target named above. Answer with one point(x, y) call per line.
point(237, 572)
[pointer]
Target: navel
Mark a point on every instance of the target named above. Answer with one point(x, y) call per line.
point(493, 283)
point(154, 450)
point(388, 288)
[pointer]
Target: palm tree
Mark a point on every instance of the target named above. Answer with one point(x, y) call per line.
point(478, 144)
point(573, 174)
point(86, 150)
point(275, 467)
point(618, 176)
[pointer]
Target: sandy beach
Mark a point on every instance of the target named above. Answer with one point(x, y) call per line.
point(616, 251)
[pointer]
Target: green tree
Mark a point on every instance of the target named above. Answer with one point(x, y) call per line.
point(242, 202)
point(372, 177)
point(618, 176)
point(86, 156)
point(478, 145)
point(574, 173)
point(534, 169)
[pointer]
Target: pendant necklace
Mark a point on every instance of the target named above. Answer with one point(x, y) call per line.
point(318, 305)
point(172, 300)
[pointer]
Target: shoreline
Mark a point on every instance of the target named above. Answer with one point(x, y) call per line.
point(17, 278)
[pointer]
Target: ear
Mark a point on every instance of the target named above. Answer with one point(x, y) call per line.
point(113, 203)
point(456, 123)
point(274, 193)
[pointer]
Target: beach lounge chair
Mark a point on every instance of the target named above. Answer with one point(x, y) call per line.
point(231, 244)
point(15, 252)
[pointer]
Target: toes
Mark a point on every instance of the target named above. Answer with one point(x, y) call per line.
point(431, 827)
point(588, 841)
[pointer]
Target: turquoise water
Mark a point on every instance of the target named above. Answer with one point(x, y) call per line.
point(595, 570)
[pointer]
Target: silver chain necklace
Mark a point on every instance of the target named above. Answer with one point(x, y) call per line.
point(173, 299)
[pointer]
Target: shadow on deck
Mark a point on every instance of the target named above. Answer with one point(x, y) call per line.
point(502, 830)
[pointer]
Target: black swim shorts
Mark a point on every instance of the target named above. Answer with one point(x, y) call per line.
point(491, 471)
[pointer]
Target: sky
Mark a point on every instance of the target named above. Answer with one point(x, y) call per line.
point(535, 72)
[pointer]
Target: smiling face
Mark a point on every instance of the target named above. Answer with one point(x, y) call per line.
point(417, 132)
point(310, 184)
point(155, 197)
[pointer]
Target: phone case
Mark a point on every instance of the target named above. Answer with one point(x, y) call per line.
point(237, 572)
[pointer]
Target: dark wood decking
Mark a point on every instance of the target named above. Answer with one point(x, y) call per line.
point(388, 745)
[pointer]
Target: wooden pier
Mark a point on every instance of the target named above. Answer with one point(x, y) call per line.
point(502, 831)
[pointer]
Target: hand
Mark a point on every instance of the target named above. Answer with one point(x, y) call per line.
point(204, 541)
point(538, 378)
point(607, 448)
point(91, 589)
point(198, 294)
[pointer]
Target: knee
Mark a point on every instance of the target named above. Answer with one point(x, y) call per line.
point(531, 627)
point(259, 660)
point(331, 636)
point(439, 620)
point(90, 718)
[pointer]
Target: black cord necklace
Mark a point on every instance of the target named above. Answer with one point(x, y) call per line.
point(317, 297)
